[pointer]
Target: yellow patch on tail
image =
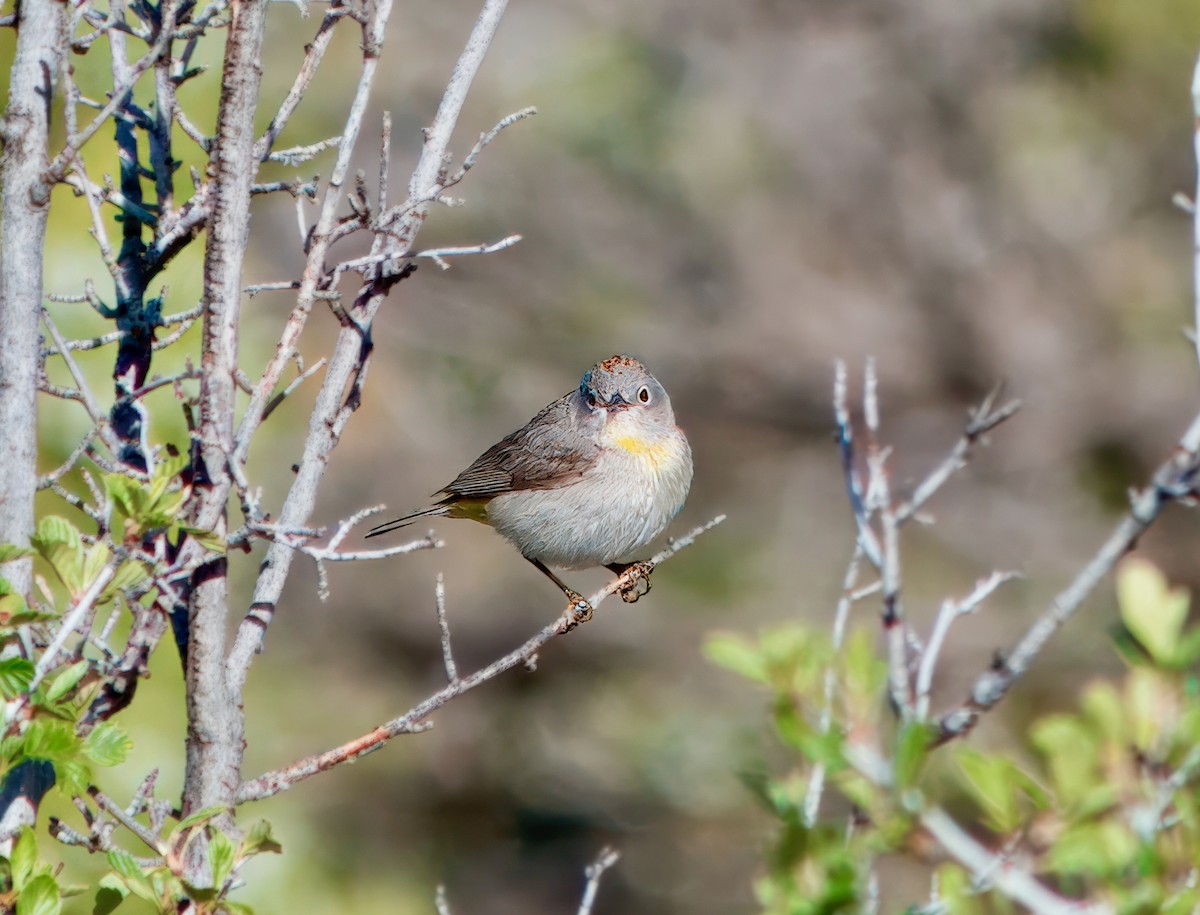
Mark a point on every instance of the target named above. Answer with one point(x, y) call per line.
point(474, 509)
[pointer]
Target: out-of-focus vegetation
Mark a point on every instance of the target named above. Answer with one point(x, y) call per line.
point(1098, 802)
point(736, 193)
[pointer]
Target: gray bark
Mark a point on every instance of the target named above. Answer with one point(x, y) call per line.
point(214, 751)
point(24, 208)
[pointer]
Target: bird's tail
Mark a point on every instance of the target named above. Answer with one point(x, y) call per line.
point(435, 511)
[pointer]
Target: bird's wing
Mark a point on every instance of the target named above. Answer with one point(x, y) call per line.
point(552, 449)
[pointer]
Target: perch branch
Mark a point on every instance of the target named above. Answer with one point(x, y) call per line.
point(271, 783)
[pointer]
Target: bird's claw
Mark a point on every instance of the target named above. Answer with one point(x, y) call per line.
point(638, 584)
point(579, 611)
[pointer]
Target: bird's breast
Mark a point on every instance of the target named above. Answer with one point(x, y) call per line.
point(621, 503)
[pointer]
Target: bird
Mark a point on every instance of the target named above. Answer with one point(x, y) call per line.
point(589, 481)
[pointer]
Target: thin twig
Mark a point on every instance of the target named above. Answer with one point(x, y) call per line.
point(72, 621)
point(111, 807)
point(949, 612)
point(49, 479)
point(439, 599)
point(283, 395)
point(440, 902)
point(271, 783)
point(816, 782)
point(81, 383)
point(981, 420)
point(594, 872)
point(1014, 882)
point(118, 97)
point(878, 501)
point(1174, 480)
point(438, 255)
point(348, 364)
point(868, 541)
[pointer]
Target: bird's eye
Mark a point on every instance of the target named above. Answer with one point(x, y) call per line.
point(643, 394)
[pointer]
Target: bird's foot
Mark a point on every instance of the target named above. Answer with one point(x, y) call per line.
point(638, 584)
point(579, 611)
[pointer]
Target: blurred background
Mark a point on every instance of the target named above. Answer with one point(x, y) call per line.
point(738, 194)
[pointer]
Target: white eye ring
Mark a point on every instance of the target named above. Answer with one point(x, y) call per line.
point(643, 394)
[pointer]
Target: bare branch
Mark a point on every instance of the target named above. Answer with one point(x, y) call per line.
point(214, 740)
point(113, 809)
point(866, 536)
point(440, 902)
point(72, 622)
point(1014, 882)
point(949, 612)
point(119, 96)
point(314, 51)
point(295, 383)
point(414, 719)
point(439, 593)
point(1174, 480)
point(594, 873)
point(95, 413)
point(981, 420)
point(816, 782)
point(58, 473)
point(438, 255)
point(333, 408)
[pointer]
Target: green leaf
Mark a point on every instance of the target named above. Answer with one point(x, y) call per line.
point(1188, 651)
point(11, 605)
point(131, 875)
point(9, 552)
point(957, 890)
point(15, 612)
point(212, 542)
point(15, 676)
point(123, 863)
point(222, 854)
point(23, 858)
point(862, 672)
point(57, 541)
point(112, 893)
point(171, 466)
point(1104, 848)
point(260, 840)
point(736, 653)
point(994, 782)
point(200, 816)
point(95, 559)
point(107, 744)
point(912, 749)
point(40, 897)
point(1071, 751)
point(1150, 609)
point(130, 574)
point(128, 495)
point(1104, 708)
point(50, 738)
point(66, 681)
point(74, 775)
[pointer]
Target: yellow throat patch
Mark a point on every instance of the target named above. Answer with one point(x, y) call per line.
point(653, 453)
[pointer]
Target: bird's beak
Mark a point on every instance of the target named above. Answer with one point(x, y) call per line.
point(617, 402)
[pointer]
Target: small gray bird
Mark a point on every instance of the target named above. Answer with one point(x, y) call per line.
point(590, 480)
